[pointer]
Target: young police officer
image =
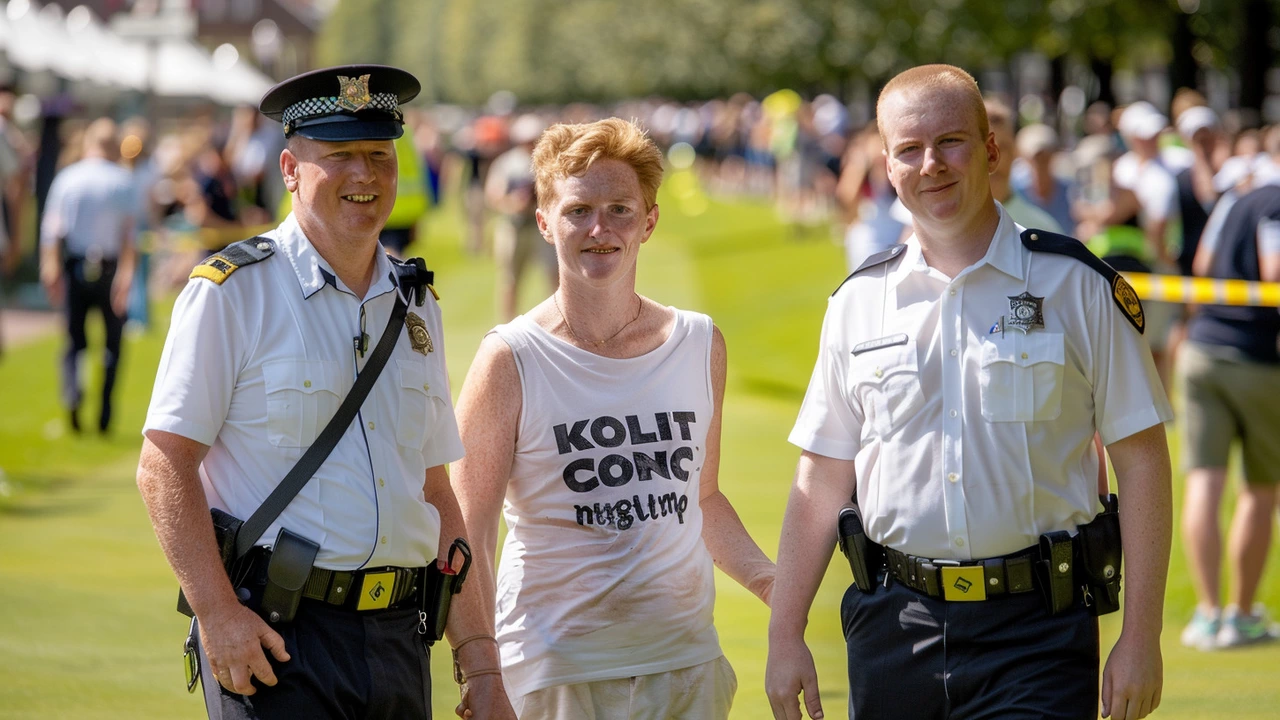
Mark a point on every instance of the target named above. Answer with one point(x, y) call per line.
point(960, 381)
point(266, 341)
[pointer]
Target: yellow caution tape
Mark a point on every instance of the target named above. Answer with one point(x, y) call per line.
point(1204, 291)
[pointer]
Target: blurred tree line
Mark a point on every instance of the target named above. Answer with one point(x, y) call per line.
point(554, 51)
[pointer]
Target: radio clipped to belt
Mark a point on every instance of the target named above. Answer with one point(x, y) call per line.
point(439, 587)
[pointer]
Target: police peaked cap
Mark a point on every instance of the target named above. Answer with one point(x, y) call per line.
point(350, 102)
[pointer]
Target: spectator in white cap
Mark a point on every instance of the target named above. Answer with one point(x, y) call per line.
point(1201, 132)
point(1037, 145)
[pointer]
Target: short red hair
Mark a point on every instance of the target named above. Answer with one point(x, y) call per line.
point(568, 150)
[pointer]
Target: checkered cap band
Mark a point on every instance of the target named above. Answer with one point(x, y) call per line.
point(316, 107)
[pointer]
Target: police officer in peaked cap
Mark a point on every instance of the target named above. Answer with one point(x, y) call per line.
point(266, 340)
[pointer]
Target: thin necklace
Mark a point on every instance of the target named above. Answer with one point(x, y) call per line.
point(555, 297)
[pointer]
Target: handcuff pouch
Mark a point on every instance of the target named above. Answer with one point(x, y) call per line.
point(292, 558)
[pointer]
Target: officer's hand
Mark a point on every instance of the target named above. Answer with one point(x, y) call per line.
point(789, 670)
point(485, 698)
point(54, 287)
point(1132, 679)
point(233, 640)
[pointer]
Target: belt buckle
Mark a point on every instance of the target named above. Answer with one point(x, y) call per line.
point(963, 583)
point(376, 590)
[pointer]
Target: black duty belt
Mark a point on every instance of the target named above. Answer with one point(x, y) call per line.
point(385, 588)
point(964, 580)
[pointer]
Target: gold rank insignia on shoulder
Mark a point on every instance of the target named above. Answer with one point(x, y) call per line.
point(353, 94)
point(215, 268)
point(419, 338)
point(1026, 312)
point(1128, 301)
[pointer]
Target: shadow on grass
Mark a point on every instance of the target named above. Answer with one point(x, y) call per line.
point(35, 496)
point(770, 388)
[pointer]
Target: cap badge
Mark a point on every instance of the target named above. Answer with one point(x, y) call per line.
point(419, 338)
point(1026, 312)
point(353, 95)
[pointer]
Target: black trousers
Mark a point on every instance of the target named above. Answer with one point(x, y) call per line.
point(89, 287)
point(912, 656)
point(343, 665)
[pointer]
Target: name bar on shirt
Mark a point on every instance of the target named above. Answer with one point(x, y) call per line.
point(1204, 291)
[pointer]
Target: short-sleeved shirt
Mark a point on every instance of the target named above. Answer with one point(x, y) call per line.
point(256, 367)
point(969, 441)
point(91, 207)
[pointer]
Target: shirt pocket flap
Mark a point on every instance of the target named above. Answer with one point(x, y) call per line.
point(307, 377)
point(422, 377)
point(1026, 351)
point(882, 367)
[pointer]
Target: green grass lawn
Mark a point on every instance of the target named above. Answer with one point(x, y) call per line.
point(87, 626)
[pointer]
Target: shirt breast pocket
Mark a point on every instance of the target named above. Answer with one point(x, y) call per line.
point(886, 382)
point(302, 395)
point(1021, 378)
point(422, 399)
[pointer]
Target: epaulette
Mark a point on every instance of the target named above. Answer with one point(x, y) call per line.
point(873, 260)
point(415, 279)
point(219, 266)
point(1121, 291)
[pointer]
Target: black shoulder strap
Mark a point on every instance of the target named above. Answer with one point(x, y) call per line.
point(879, 258)
point(1121, 292)
point(219, 266)
point(319, 451)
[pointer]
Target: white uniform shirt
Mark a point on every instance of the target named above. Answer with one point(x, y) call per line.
point(92, 205)
point(255, 368)
point(969, 443)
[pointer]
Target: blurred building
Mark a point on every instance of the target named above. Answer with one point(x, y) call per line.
point(275, 35)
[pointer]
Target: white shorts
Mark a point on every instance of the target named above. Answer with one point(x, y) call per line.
point(701, 692)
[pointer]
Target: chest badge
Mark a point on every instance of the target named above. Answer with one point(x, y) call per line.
point(1026, 312)
point(419, 338)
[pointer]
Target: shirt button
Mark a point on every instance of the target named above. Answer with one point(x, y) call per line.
point(959, 541)
point(954, 413)
point(954, 353)
point(370, 424)
point(1024, 356)
point(306, 383)
point(384, 540)
point(953, 293)
point(426, 387)
point(953, 477)
point(382, 483)
point(879, 372)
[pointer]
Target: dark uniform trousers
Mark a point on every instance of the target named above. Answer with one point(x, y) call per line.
point(88, 286)
point(913, 656)
point(343, 665)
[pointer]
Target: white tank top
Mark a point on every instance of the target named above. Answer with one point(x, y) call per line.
point(604, 573)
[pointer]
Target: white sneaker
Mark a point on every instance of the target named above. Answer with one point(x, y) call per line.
point(1246, 629)
point(1202, 632)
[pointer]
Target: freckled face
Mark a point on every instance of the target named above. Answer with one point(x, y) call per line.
point(597, 222)
point(938, 161)
point(343, 189)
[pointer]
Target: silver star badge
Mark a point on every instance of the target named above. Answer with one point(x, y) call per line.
point(1026, 312)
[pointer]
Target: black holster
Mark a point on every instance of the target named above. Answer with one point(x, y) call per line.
point(439, 587)
point(1098, 559)
point(283, 579)
point(225, 528)
point(865, 556)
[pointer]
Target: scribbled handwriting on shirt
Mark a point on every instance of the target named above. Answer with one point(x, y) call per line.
point(626, 512)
